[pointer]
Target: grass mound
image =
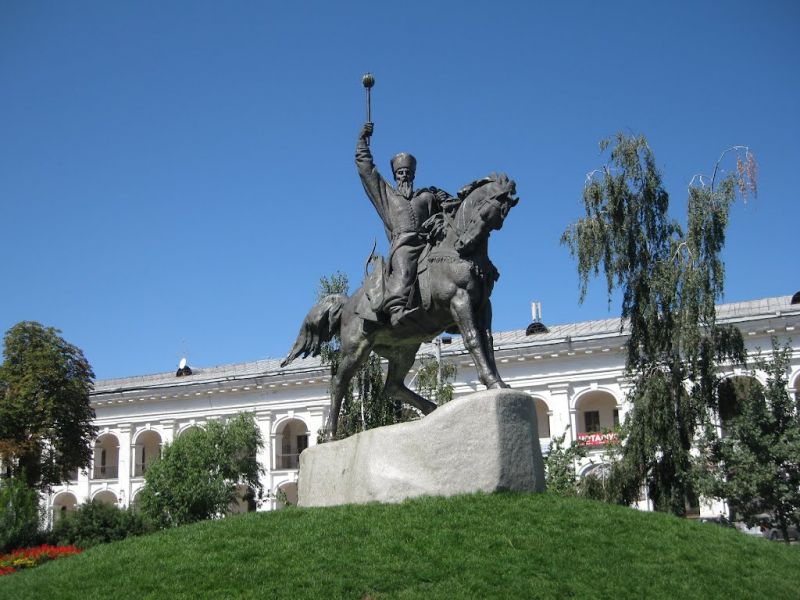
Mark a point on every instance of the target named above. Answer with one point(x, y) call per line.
point(477, 546)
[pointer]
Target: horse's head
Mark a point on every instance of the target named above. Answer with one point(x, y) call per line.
point(484, 207)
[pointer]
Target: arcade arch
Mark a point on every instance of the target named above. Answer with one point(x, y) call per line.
point(290, 440)
point(596, 411)
point(542, 418)
point(105, 497)
point(64, 503)
point(287, 495)
point(146, 448)
point(106, 457)
point(190, 427)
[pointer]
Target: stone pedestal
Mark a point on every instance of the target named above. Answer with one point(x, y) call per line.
point(487, 441)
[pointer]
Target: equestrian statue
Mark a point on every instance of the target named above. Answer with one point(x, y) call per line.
point(437, 278)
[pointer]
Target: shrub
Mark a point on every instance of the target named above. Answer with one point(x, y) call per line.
point(97, 523)
point(19, 515)
point(198, 474)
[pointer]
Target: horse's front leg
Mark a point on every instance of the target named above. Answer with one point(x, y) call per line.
point(485, 329)
point(475, 339)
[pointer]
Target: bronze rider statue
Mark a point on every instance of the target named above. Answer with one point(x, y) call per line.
point(403, 211)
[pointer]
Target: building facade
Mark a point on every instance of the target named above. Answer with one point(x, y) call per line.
point(575, 373)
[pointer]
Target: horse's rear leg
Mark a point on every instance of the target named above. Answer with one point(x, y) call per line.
point(400, 361)
point(476, 340)
point(352, 359)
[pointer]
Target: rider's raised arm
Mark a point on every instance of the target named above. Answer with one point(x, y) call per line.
point(373, 182)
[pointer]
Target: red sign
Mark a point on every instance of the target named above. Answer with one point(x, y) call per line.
point(597, 438)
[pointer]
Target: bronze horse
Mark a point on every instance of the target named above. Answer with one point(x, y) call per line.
point(455, 280)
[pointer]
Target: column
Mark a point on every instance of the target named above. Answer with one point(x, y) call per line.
point(562, 414)
point(124, 468)
point(264, 424)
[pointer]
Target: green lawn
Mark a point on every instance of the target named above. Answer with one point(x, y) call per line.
point(477, 546)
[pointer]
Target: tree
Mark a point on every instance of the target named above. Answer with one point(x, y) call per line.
point(45, 415)
point(756, 465)
point(198, 474)
point(364, 406)
point(670, 281)
point(559, 463)
point(20, 515)
point(435, 380)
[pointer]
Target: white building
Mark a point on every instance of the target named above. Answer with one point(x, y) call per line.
point(574, 372)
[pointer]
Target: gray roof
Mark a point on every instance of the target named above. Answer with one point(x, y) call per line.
point(503, 340)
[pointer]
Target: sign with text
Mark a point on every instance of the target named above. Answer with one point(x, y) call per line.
point(598, 439)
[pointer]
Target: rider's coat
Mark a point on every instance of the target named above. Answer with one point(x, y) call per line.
point(402, 220)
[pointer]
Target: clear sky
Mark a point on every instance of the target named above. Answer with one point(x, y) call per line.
point(175, 177)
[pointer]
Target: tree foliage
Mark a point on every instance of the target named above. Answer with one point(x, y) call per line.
point(198, 474)
point(560, 462)
point(46, 418)
point(756, 466)
point(435, 381)
point(20, 515)
point(602, 483)
point(670, 280)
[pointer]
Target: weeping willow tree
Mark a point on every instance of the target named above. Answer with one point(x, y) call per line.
point(670, 280)
point(435, 380)
point(365, 405)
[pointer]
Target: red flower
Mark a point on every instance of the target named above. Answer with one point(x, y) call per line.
point(30, 557)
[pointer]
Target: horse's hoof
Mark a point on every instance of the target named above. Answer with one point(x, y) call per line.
point(499, 385)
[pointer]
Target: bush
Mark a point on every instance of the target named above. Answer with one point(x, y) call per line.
point(198, 474)
point(19, 515)
point(97, 523)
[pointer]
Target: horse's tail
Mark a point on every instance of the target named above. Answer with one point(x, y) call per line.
point(321, 323)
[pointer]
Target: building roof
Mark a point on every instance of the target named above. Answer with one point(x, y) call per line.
point(503, 340)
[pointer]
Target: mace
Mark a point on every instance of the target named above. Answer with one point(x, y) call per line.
point(368, 81)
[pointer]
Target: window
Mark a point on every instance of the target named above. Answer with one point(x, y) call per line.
point(591, 420)
point(616, 418)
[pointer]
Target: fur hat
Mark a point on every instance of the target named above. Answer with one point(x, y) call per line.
point(404, 159)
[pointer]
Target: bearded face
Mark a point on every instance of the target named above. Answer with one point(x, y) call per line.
point(404, 177)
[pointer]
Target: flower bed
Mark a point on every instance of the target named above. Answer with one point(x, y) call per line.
point(30, 557)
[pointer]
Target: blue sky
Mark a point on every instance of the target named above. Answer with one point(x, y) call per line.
point(175, 177)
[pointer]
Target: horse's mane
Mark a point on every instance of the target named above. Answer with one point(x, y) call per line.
point(471, 187)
